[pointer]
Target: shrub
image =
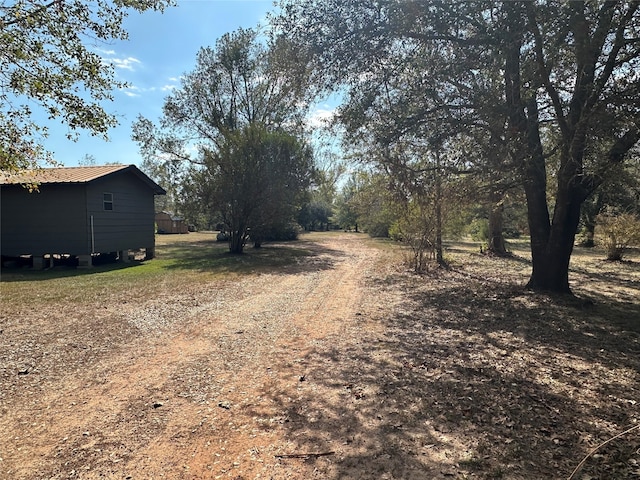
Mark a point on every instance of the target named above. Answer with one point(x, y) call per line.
point(273, 233)
point(617, 233)
point(282, 232)
point(479, 230)
point(395, 232)
point(416, 228)
point(378, 229)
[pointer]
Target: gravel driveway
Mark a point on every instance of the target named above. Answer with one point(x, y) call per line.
point(201, 383)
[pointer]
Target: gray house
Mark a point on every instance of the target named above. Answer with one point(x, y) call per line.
point(78, 211)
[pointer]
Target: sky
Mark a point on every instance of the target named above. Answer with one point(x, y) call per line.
point(161, 47)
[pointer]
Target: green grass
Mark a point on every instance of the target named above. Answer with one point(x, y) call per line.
point(215, 258)
point(180, 261)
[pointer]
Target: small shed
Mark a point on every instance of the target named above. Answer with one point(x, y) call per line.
point(78, 211)
point(168, 223)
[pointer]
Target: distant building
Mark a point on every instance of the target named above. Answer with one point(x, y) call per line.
point(168, 223)
point(78, 211)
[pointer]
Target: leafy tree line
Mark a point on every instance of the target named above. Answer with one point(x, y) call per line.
point(445, 103)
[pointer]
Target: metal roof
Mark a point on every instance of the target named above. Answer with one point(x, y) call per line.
point(74, 175)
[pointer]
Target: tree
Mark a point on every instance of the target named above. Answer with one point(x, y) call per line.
point(319, 209)
point(234, 127)
point(414, 112)
point(587, 82)
point(256, 182)
point(417, 227)
point(49, 60)
point(528, 73)
point(346, 214)
point(170, 175)
point(315, 215)
point(370, 203)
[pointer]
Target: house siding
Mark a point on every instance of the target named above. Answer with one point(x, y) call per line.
point(130, 224)
point(50, 221)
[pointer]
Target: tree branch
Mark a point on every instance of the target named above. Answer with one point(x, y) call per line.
point(615, 155)
point(31, 14)
point(581, 464)
point(612, 59)
point(543, 69)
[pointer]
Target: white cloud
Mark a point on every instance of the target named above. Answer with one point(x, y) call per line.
point(108, 53)
point(132, 91)
point(128, 63)
point(137, 84)
point(109, 57)
point(320, 117)
point(170, 86)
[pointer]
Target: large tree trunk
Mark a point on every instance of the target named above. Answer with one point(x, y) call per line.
point(551, 241)
point(551, 247)
point(551, 264)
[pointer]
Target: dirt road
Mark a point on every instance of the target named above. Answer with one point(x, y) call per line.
point(212, 382)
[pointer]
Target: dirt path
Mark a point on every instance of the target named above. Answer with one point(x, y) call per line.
point(209, 395)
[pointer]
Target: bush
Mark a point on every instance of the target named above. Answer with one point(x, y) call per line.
point(285, 232)
point(395, 232)
point(479, 230)
point(416, 228)
point(274, 233)
point(585, 237)
point(617, 233)
point(378, 230)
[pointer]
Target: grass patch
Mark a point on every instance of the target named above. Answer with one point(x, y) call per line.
point(180, 261)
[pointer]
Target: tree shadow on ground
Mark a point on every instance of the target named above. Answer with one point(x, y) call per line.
point(467, 379)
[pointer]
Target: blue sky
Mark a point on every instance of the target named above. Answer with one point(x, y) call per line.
point(161, 47)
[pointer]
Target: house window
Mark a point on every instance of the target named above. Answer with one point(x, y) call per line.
point(107, 201)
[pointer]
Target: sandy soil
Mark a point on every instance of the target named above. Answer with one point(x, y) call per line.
point(342, 366)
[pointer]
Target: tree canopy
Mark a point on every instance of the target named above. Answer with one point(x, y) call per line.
point(234, 129)
point(546, 84)
point(50, 60)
